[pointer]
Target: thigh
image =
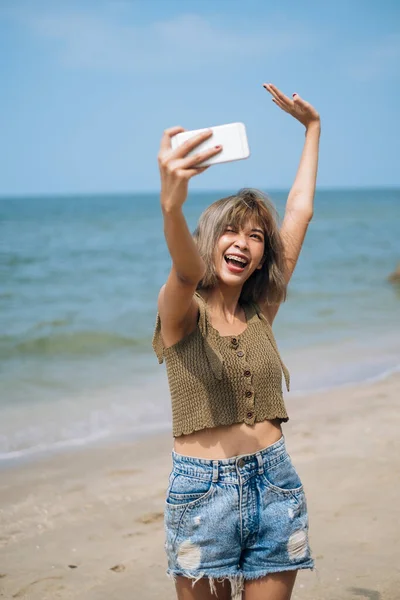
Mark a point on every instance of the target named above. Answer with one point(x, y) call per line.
point(202, 590)
point(277, 586)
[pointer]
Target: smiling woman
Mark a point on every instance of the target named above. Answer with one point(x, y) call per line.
point(235, 512)
point(251, 216)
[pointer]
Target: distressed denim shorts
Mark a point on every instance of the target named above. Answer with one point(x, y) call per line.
point(237, 518)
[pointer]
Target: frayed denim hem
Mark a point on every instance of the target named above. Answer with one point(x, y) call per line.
point(269, 571)
point(236, 581)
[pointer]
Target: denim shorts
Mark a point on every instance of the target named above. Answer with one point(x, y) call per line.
point(237, 518)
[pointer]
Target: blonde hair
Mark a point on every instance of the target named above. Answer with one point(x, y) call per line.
point(266, 284)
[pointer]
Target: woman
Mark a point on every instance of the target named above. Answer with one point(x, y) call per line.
point(235, 513)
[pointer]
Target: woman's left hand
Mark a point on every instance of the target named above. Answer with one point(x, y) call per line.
point(298, 108)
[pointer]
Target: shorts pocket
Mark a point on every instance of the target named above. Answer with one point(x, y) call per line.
point(185, 490)
point(283, 477)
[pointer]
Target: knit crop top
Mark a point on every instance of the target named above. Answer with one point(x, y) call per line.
point(220, 380)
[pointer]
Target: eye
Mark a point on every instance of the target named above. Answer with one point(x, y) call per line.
point(258, 236)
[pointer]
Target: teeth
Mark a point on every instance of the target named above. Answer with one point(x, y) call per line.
point(234, 257)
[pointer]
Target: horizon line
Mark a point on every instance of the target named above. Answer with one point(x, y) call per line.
point(36, 195)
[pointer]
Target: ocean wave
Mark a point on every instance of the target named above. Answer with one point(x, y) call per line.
point(379, 376)
point(78, 343)
point(46, 448)
point(15, 260)
point(54, 323)
point(27, 443)
point(52, 446)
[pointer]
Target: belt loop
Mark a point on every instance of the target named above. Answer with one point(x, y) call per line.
point(260, 463)
point(215, 471)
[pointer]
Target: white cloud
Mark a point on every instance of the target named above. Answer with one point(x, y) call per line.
point(378, 60)
point(186, 41)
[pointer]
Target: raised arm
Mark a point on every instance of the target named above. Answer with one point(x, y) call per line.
point(300, 203)
point(176, 305)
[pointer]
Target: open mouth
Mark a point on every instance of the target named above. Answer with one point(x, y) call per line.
point(235, 264)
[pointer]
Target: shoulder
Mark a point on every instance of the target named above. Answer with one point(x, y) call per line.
point(269, 311)
point(172, 328)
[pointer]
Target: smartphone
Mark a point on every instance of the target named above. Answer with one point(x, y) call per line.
point(232, 137)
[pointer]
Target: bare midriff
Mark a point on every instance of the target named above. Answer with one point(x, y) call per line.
point(229, 440)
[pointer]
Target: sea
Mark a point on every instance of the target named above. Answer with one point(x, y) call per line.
point(79, 281)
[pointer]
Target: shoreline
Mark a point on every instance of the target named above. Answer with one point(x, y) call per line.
point(36, 453)
point(88, 524)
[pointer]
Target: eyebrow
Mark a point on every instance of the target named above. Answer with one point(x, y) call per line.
point(259, 230)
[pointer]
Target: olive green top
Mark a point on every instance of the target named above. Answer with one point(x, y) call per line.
point(221, 380)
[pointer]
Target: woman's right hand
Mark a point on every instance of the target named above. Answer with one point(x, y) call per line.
point(176, 168)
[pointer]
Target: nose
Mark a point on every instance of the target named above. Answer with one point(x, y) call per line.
point(241, 241)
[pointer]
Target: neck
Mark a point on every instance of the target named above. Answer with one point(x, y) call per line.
point(223, 302)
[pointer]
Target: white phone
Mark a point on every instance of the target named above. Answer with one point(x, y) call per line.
point(232, 137)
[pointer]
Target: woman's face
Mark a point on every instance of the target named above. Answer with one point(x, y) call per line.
point(239, 253)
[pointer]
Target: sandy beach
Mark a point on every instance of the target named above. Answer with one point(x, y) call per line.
point(89, 523)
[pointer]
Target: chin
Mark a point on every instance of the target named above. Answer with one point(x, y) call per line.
point(232, 280)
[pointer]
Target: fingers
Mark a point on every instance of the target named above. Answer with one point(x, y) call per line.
point(192, 161)
point(196, 171)
point(300, 102)
point(279, 97)
point(194, 141)
point(277, 93)
point(299, 109)
point(282, 106)
point(167, 135)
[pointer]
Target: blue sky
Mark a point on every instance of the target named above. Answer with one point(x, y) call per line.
point(88, 87)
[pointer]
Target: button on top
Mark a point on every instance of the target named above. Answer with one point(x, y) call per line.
point(241, 462)
point(234, 341)
point(249, 394)
point(247, 373)
point(240, 353)
point(249, 415)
